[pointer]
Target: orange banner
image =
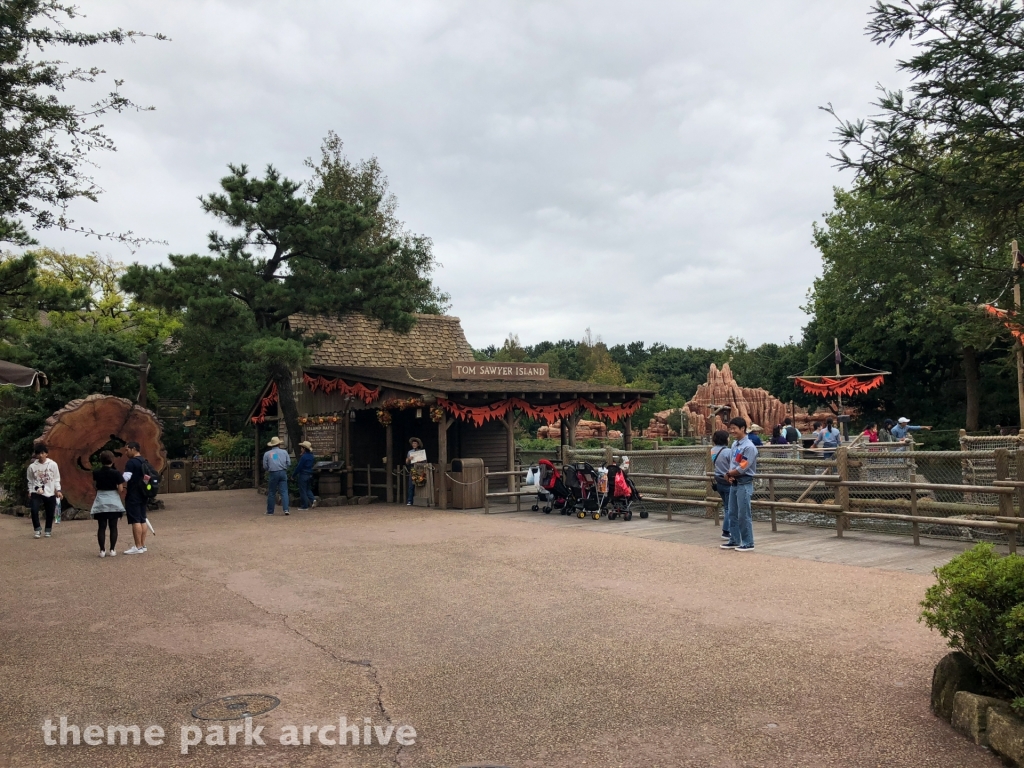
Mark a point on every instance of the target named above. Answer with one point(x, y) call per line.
point(842, 385)
point(357, 390)
point(549, 413)
point(265, 404)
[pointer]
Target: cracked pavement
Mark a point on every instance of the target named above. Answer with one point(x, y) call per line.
point(502, 642)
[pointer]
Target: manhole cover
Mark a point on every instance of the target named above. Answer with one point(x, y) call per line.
point(236, 707)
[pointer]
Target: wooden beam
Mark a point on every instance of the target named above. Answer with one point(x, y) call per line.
point(389, 441)
point(442, 460)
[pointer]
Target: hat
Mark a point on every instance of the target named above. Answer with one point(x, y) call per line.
point(274, 441)
point(306, 444)
point(754, 428)
point(903, 420)
point(416, 440)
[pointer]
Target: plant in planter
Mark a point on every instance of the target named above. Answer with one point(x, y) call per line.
point(977, 604)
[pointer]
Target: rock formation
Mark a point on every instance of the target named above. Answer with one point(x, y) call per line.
point(584, 430)
point(757, 406)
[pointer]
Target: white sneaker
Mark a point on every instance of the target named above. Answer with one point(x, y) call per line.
point(103, 553)
point(142, 550)
point(37, 534)
point(132, 551)
point(112, 553)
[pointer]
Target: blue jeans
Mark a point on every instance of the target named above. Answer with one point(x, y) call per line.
point(277, 480)
point(412, 490)
point(305, 481)
point(741, 524)
point(725, 491)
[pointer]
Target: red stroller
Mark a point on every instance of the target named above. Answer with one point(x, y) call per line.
point(622, 495)
point(553, 492)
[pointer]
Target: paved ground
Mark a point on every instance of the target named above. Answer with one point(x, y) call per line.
point(502, 639)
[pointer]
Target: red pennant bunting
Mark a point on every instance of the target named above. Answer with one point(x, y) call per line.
point(265, 404)
point(357, 390)
point(842, 385)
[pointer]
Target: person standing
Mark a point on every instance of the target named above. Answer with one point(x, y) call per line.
point(742, 466)
point(135, 497)
point(275, 463)
point(778, 438)
point(792, 434)
point(43, 488)
point(107, 508)
point(828, 438)
point(754, 434)
point(720, 457)
point(903, 429)
point(415, 444)
point(303, 474)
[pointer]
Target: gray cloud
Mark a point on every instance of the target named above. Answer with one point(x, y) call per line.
point(647, 169)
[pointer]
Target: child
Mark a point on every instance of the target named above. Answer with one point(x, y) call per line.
point(720, 460)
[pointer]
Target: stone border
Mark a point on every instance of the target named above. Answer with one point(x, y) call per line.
point(958, 697)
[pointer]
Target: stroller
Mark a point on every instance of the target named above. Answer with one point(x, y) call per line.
point(553, 492)
point(581, 480)
point(622, 495)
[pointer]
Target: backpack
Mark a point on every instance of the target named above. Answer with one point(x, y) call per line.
point(152, 488)
point(791, 435)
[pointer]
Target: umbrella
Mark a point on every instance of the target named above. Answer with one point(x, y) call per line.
point(20, 376)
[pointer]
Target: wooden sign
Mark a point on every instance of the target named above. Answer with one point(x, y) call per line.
point(323, 437)
point(488, 371)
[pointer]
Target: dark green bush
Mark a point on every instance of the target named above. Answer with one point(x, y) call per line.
point(977, 604)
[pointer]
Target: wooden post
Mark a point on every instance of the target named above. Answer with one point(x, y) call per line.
point(487, 485)
point(256, 460)
point(442, 460)
point(572, 430)
point(563, 432)
point(563, 455)
point(369, 481)
point(1002, 457)
point(510, 447)
point(627, 434)
point(608, 457)
point(347, 435)
point(771, 497)
point(842, 492)
point(389, 441)
point(913, 513)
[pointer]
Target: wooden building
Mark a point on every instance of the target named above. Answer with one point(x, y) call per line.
point(369, 390)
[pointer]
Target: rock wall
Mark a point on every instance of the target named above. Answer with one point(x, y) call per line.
point(228, 479)
point(584, 429)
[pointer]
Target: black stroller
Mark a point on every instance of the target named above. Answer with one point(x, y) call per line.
point(622, 495)
point(553, 492)
point(581, 481)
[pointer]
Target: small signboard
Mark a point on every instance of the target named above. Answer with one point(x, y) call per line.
point(489, 371)
point(323, 437)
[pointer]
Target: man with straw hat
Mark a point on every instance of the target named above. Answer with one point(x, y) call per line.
point(275, 463)
point(304, 475)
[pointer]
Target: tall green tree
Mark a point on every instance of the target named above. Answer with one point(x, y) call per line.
point(290, 252)
point(901, 289)
point(46, 142)
point(23, 296)
point(958, 134)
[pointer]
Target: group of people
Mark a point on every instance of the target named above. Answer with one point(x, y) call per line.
point(276, 463)
point(117, 494)
point(736, 465)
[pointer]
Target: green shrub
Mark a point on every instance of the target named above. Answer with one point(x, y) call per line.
point(222, 444)
point(977, 604)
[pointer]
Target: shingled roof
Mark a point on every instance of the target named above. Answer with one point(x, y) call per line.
point(435, 341)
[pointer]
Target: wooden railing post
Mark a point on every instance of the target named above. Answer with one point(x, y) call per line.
point(771, 497)
point(842, 492)
point(1002, 457)
point(913, 513)
point(487, 485)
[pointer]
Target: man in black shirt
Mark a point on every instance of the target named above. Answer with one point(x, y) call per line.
point(135, 498)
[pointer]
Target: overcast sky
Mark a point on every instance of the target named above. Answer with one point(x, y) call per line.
point(649, 169)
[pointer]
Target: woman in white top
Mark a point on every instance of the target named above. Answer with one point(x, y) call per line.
point(43, 488)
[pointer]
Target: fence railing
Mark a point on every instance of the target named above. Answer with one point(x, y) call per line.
point(204, 463)
point(967, 495)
